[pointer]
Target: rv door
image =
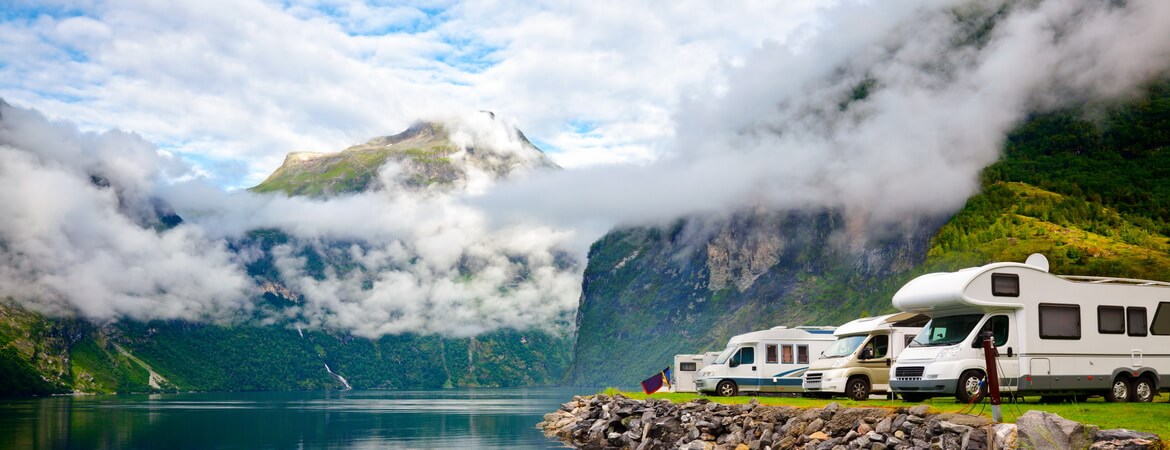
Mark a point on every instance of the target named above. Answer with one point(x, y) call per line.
point(743, 368)
point(1007, 346)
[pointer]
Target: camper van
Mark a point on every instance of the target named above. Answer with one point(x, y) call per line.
point(771, 360)
point(858, 362)
point(685, 368)
point(1054, 335)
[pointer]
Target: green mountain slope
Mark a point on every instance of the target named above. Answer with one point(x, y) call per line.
point(1091, 195)
point(45, 355)
point(425, 154)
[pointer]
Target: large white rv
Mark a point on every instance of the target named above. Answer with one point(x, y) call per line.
point(858, 362)
point(772, 360)
point(1054, 335)
point(685, 368)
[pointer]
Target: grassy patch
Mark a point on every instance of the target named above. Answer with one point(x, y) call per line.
point(1145, 417)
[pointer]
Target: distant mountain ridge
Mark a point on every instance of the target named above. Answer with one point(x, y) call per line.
point(42, 355)
point(1089, 193)
point(428, 155)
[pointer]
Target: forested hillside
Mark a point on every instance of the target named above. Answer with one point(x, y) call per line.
point(1089, 187)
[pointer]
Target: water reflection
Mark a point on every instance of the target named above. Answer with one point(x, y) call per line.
point(493, 418)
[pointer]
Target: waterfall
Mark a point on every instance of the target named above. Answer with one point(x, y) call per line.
point(301, 333)
point(339, 377)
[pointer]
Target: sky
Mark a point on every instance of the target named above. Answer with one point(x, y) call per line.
point(655, 111)
point(232, 86)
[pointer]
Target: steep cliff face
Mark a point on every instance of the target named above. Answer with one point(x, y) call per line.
point(652, 292)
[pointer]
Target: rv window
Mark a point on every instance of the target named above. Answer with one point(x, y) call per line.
point(1005, 285)
point(786, 353)
point(1137, 320)
point(1110, 319)
point(725, 354)
point(1161, 323)
point(746, 355)
point(844, 346)
point(770, 354)
point(949, 330)
point(878, 346)
point(687, 367)
point(998, 326)
point(1060, 321)
point(802, 354)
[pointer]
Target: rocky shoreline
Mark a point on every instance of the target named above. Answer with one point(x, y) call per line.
point(604, 422)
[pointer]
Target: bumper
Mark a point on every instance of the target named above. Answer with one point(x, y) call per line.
point(704, 385)
point(936, 386)
point(828, 382)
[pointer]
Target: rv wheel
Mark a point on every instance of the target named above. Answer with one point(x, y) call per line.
point(1119, 391)
point(969, 386)
point(857, 388)
point(1143, 390)
point(727, 388)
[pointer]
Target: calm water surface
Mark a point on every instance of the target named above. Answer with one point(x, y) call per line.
point(463, 419)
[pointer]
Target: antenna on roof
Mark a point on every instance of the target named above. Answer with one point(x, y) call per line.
point(1038, 261)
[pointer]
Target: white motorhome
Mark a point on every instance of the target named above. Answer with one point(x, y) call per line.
point(1055, 335)
point(685, 368)
point(772, 360)
point(858, 362)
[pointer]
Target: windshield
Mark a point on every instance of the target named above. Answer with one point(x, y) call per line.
point(948, 330)
point(844, 346)
point(726, 353)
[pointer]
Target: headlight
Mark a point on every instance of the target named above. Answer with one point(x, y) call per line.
point(840, 362)
point(948, 352)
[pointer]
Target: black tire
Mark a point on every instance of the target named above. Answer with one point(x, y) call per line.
point(914, 398)
point(1143, 391)
point(857, 388)
point(969, 386)
point(1119, 390)
point(727, 388)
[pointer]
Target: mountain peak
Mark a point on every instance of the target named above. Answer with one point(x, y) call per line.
point(465, 154)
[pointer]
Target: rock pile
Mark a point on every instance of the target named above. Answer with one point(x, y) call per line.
point(603, 422)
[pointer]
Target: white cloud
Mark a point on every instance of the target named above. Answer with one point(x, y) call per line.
point(269, 78)
point(721, 107)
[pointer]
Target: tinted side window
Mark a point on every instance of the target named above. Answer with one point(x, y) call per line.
point(1136, 318)
point(1005, 285)
point(998, 326)
point(786, 354)
point(802, 354)
point(881, 345)
point(1161, 324)
point(1110, 319)
point(770, 354)
point(1060, 321)
point(747, 355)
point(687, 367)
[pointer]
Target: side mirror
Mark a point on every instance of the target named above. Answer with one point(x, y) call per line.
point(733, 362)
point(866, 353)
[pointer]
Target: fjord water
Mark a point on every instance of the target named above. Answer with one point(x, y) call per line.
point(455, 419)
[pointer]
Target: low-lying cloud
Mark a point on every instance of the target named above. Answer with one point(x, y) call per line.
point(884, 110)
point(81, 234)
point(780, 130)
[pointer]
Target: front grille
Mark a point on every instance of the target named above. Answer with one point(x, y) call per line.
point(909, 373)
point(812, 377)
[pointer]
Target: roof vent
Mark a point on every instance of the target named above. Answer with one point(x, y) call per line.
point(1038, 261)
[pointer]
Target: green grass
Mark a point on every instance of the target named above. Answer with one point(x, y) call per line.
point(1145, 417)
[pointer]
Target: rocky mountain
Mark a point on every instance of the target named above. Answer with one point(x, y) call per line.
point(42, 355)
point(1086, 186)
point(428, 155)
